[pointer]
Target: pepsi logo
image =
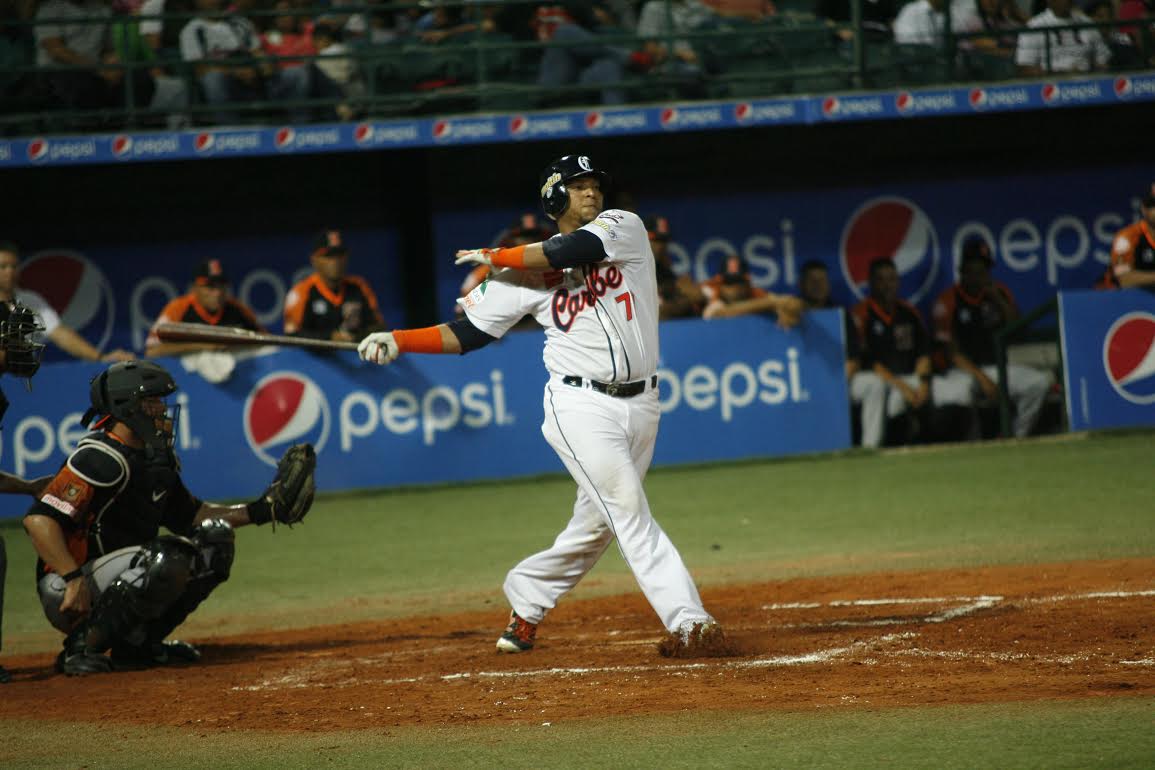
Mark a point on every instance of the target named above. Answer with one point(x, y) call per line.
point(1123, 86)
point(76, 289)
point(1050, 91)
point(669, 116)
point(363, 133)
point(743, 111)
point(121, 145)
point(903, 101)
point(594, 120)
point(1129, 357)
point(518, 125)
point(442, 129)
point(896, 228)
point(285, 408)
point(831, 106)
point(37, 149)
point(284, 137)
point(978, 97)
point(204, 141)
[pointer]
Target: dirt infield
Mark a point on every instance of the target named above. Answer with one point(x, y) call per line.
point(1056, 631)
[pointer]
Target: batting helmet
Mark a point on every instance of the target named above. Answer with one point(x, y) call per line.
point(554, 195)
point(118, 392)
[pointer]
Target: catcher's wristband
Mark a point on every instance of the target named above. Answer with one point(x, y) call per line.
point(427, 340)
point(512, 257)
point(260, 511)
point(70, 576)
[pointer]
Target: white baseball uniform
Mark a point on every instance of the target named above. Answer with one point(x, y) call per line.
point(601, 329)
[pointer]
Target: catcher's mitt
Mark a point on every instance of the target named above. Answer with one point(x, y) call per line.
point(291, 494)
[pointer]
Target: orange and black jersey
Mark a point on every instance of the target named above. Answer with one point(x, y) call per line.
point(186, 309)
point(895, 340)
point(1133, 249)
point(970, 322)
point(107, 497)
point(313, 310)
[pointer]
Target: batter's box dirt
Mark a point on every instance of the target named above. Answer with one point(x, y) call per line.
point(961, 636)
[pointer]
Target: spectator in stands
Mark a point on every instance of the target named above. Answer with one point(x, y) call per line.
point(730, 293)
point(338, 66)
point(62, 335)
point(290, 35)
point(966, 318)
point(896, 368)
point(923, 22)
point(581, 52)
point(225, 49)
point(678, 295)
point(661, 20)
point(330, 304)
point(814, 289)
point(1133, 250)
point(88, 44)
point(1080, 50)
point(208, 302)
point(994, 17)
point(1126, 50)
point(877, 18)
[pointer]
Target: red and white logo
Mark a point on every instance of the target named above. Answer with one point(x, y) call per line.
point(1129, 357)
point(594, 120)
point(743, 111)
point(76, 289)
point(1123, 87)
point(903, 101)
point(978, 98)
point(518, 125)
point(363, 133)
point(1050, 92)
point(285, 408)
point(896, 228)
point(669, 117)
point(121, 145)
point(38, 149)
point(284, 137)
point(204, 141)
point(442, 129)
point(831, 106)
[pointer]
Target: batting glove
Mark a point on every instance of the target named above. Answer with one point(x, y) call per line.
point(379, 348)
point(476, 256)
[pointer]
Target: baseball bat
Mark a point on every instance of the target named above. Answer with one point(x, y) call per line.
point(228, 335)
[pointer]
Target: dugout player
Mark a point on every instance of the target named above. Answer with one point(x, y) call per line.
point(104, 576)
point(599, 307)
point(678, 295)
point(1133, 251)
point(208, 302)
point(896, 369)
point(331, 304)
point(20, 357)
point(731, 294)
point(966, 318)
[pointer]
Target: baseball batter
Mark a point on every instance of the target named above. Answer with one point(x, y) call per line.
point(594, 289)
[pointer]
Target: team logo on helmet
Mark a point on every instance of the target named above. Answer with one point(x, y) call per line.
point(584, 163)
point(285, 408)
point(37, 149)
point(896, 228)
point(121, 145)
point(547, 186)
point(284, 137)
point(76, 289)
point(1129, 357)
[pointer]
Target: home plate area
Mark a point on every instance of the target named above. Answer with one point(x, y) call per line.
point(961, 636)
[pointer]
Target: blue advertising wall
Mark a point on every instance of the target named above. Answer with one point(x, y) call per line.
point(1047, 232)
point(112, 294)
point(729, 389)
point(1109, 357)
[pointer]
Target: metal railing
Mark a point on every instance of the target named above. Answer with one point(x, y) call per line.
point(786, 53)
point(1019, 330)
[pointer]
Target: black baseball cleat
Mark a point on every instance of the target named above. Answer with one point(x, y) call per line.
point(130, 657)
point(82, 662)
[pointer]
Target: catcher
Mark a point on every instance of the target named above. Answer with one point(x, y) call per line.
point(105, 577)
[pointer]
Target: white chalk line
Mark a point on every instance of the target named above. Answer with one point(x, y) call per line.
point(966, 605)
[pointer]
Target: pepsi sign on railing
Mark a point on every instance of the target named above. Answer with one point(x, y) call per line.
point(1109, 357)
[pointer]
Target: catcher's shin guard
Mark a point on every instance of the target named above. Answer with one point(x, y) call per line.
point(215, 542)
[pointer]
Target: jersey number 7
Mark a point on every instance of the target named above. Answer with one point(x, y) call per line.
point(625, 297)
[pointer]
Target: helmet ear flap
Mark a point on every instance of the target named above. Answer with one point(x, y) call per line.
point(556, 201)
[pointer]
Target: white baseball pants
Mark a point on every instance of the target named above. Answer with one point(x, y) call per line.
point(606, 444)
point(1028, 389)
point(880, 401)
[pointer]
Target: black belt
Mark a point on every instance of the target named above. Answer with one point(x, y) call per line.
point(615, 389)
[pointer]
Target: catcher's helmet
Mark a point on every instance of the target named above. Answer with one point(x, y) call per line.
point(554, 195)
point(118, 392)
point(19, 330)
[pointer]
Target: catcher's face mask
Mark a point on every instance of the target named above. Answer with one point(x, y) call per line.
point(20, 341)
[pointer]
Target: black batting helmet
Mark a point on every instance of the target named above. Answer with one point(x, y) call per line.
point(554, 195)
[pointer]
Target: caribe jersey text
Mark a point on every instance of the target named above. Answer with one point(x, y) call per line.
point(566, 306)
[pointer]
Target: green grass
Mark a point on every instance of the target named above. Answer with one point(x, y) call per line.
point(416, 551)
point(1119, 733)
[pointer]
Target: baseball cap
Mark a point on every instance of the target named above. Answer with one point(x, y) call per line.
point(210, 272)
point(329, 243)
point(658, 227)
point(976, 247)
